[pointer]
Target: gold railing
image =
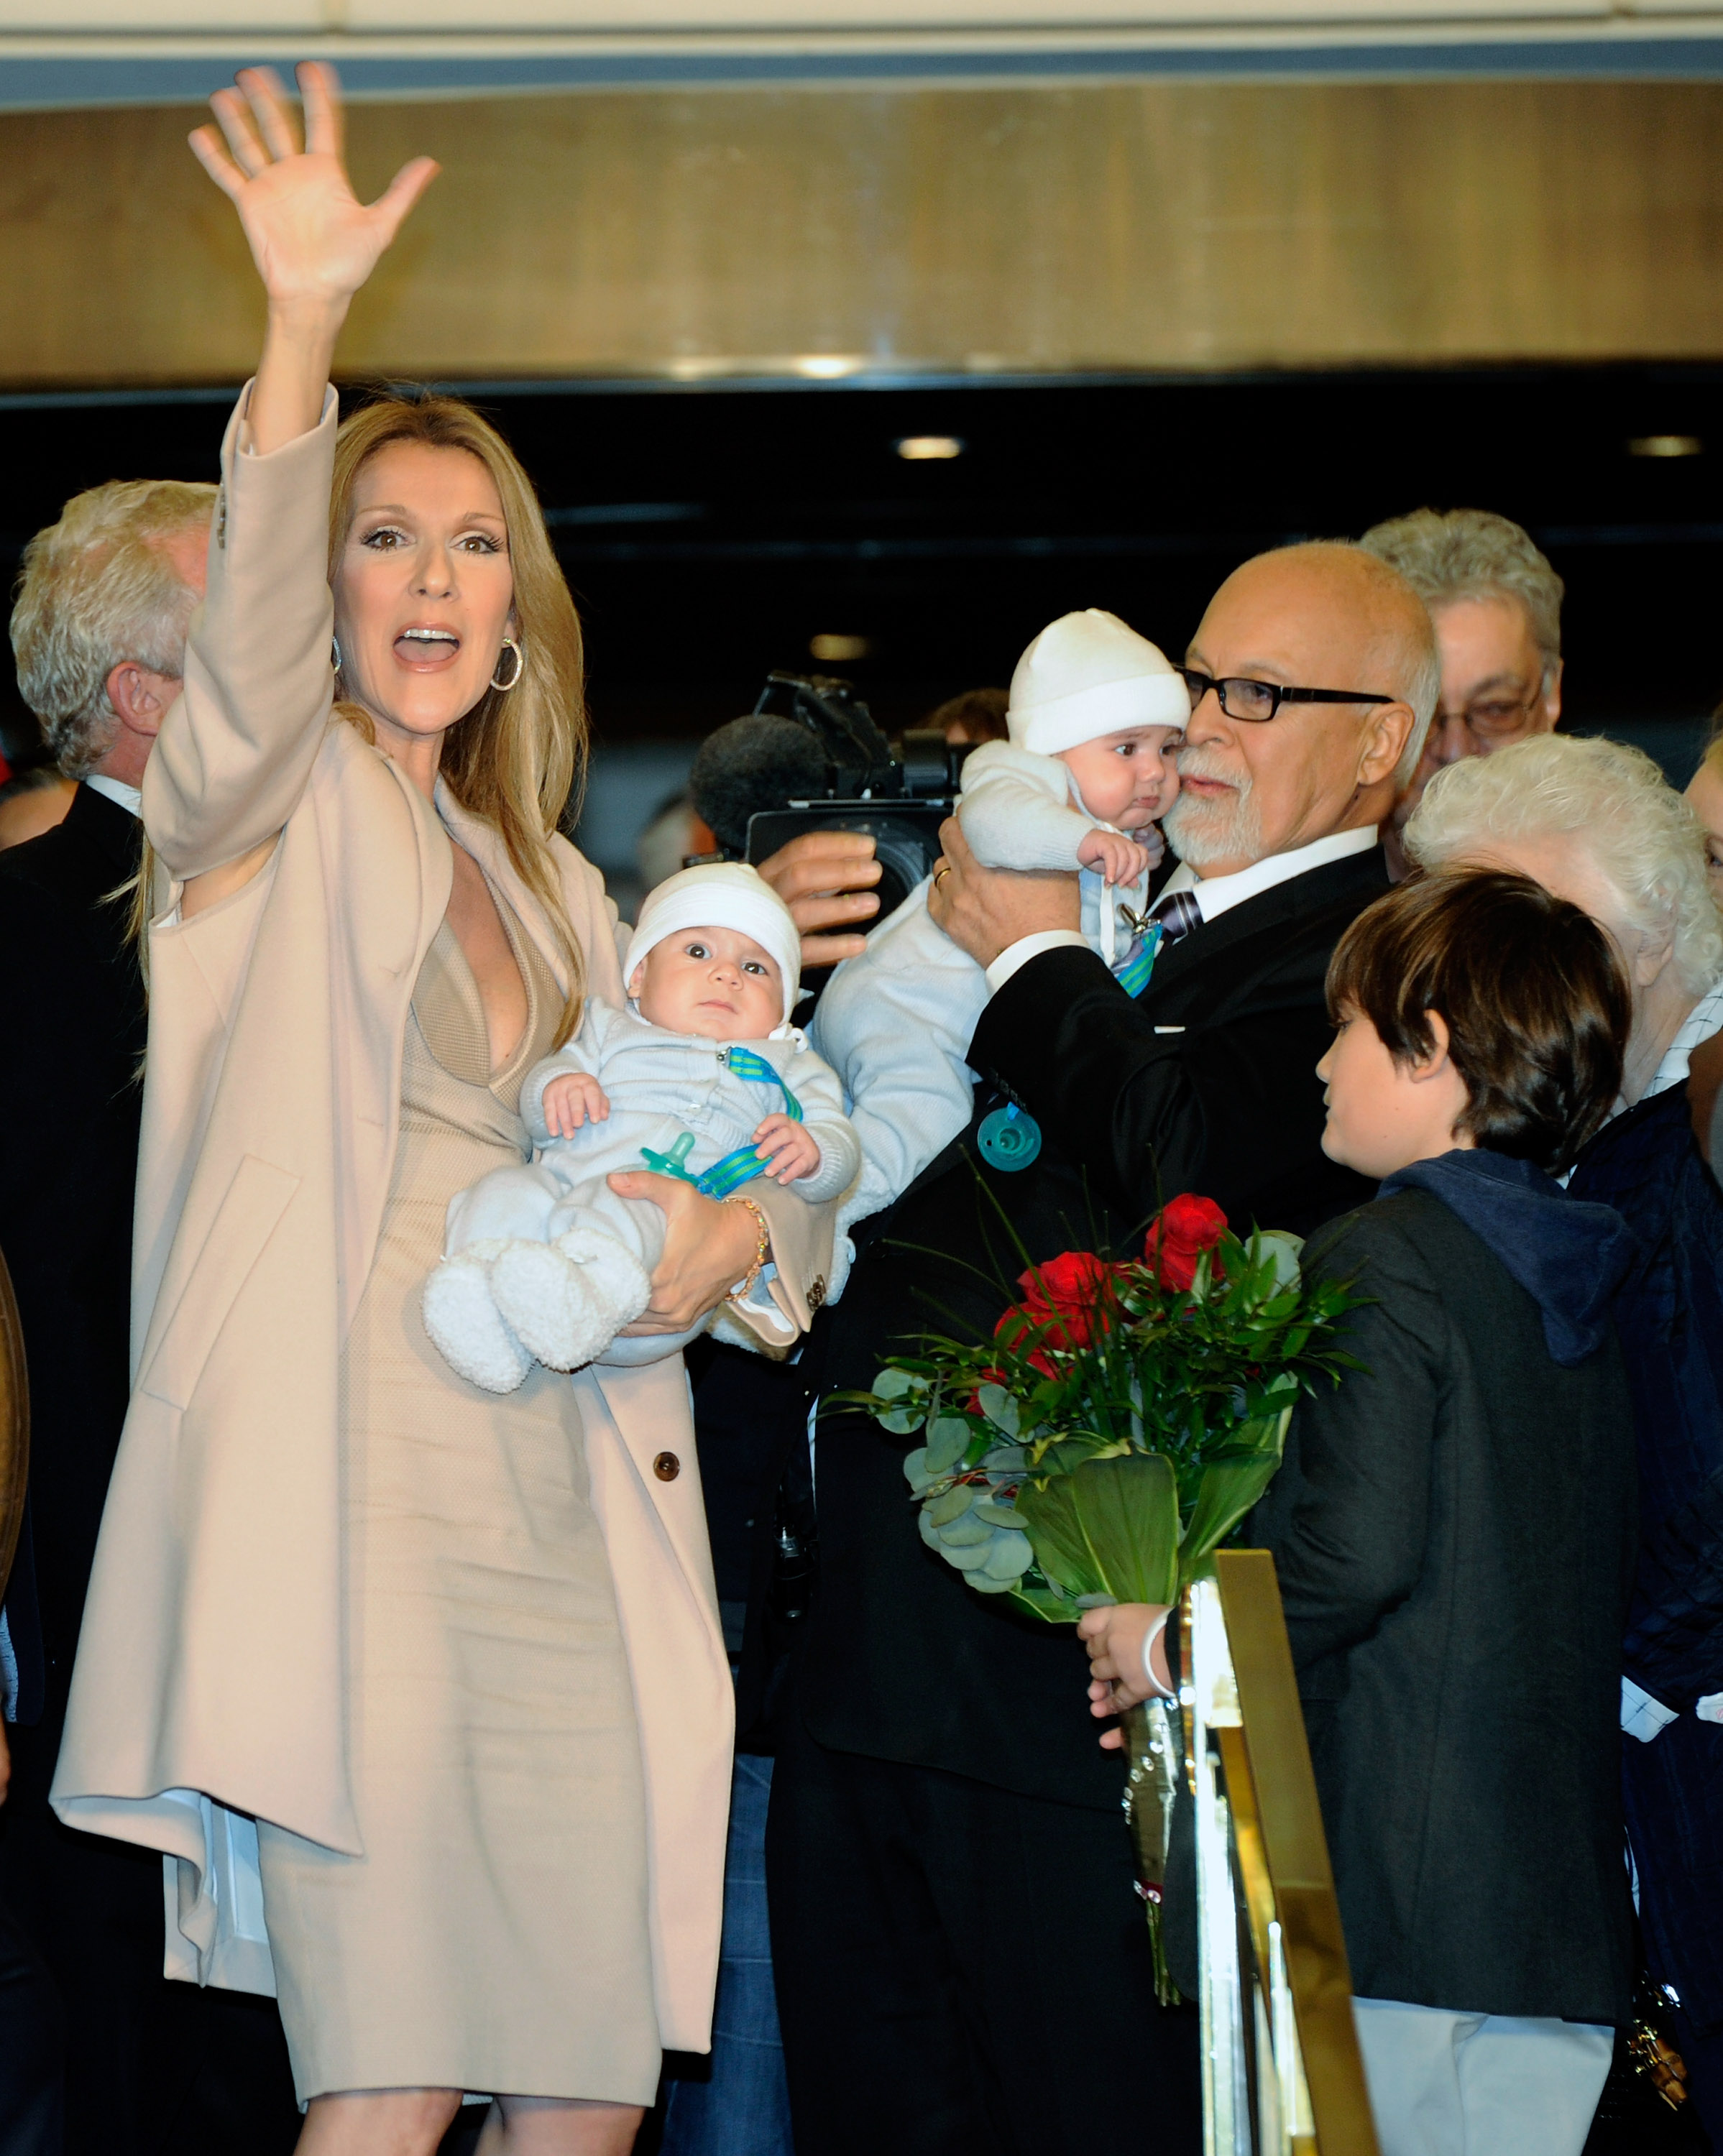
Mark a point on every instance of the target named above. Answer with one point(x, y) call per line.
point(1282, 2074)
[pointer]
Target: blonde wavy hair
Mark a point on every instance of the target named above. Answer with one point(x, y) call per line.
point(518, 757)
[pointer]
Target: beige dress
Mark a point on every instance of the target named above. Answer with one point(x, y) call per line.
point(493, 1937)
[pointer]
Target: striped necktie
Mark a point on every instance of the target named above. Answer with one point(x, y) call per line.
point(1178, 913)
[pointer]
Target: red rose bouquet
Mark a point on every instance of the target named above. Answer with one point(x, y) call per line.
point(1119, 1425)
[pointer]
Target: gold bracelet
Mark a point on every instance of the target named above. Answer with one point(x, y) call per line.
point(761, 1251)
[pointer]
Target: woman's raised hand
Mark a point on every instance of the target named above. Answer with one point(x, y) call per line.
point(314, 242)
point(311, 237)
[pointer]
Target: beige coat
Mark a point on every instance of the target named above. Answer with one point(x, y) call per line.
point(209, 1678)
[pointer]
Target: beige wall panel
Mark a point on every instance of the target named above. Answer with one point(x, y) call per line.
point(1156, 225)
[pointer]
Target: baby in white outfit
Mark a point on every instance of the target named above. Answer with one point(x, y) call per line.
point(702, 1077)
point(1097, 715)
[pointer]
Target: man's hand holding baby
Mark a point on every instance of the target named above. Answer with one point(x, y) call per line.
point(787, 1148)
point(571, 1100)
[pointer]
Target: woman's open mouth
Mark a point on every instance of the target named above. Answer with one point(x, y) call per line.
point(427, 649)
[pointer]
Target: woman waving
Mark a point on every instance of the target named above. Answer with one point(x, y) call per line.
point(421, 1690)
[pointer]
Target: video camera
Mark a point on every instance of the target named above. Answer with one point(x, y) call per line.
point(810, 757)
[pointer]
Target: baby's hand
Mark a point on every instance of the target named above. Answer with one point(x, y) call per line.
point(1120, 859)
point(787, 1148)
point(571, 1099)
point(1152, 842)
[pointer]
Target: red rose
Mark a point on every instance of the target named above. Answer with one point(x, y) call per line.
point(1069, 1296)
point(1184, 1227)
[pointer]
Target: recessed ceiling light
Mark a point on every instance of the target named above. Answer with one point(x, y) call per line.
point(929, 449)
point(1666, 446)
point(835, 649)
point(828, 366)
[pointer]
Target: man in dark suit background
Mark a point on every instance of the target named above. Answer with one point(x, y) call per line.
point(99, 632)
point(962, 1966)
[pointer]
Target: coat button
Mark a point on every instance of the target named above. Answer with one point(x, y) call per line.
point(667, 1467)
point(816, 1292)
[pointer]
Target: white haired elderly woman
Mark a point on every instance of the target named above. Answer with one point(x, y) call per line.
point(1595, 823)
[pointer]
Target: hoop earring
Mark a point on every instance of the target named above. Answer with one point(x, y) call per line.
point(335, 654)
point(509, 644)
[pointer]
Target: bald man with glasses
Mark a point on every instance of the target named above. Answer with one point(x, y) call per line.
point(955, 1926)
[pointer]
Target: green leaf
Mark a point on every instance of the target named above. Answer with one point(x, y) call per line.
point(1045, 1603)
point(891, 1385)
point(948, 1440)
point(1112, 1527)
point(938, 1510)
point(1011, 1557)
point(1000, 1409)
point(966, 1531)
point(915, 1467)
point(1226, 1493)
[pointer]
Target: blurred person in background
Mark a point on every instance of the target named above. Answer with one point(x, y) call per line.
point(972, 715)
point(1497, 606)
point(1595, 823)
point(1704, 792)
point(33, 801)
point(99, 633)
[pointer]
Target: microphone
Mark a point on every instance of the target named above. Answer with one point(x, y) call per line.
point(751, 765)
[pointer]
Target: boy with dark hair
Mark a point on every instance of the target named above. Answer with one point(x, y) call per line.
point(1453, 1525)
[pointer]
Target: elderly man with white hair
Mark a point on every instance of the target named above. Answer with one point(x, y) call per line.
point(1595, 823)
point(99, 633)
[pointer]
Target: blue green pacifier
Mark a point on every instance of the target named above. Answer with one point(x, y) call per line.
point(1010, 1138)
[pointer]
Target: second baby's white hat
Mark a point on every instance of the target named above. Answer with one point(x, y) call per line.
point(1087, 674)
point(722, 894)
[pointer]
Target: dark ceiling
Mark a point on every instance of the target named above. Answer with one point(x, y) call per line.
point(711, 532)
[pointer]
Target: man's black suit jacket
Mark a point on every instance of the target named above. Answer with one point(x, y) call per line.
point(148, 2063)
point(1206, 1083)
point(69, 1101)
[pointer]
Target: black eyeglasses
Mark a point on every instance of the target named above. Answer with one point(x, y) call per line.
point(1255, 702)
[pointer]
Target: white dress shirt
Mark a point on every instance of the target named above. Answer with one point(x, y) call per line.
point(1214, 894)
point(129, 798)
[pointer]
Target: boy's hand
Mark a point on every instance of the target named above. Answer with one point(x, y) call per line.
point(1120, 859)
point(789, 1148)
point(571, 1099)
point(1117, 1678)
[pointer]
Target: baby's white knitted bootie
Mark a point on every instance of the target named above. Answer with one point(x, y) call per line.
point(465, 1326)
point(568, 1299)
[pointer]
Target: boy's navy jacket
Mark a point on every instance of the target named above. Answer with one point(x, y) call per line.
point(1454, 1531)
point(1671, 1313)
point(1569, 1256)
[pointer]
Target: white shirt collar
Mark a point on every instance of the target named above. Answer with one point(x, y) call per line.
point(1216, 894)
point(129, 798)
point(1703, 1021)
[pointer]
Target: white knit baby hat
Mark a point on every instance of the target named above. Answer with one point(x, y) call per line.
point(722, 894)
point(1087, 674)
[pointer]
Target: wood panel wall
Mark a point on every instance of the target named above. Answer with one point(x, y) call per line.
point(1156, 225)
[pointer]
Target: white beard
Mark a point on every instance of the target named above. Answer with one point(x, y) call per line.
point(1201, 831)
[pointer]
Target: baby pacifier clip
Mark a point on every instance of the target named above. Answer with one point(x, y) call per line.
point(745, 1164)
